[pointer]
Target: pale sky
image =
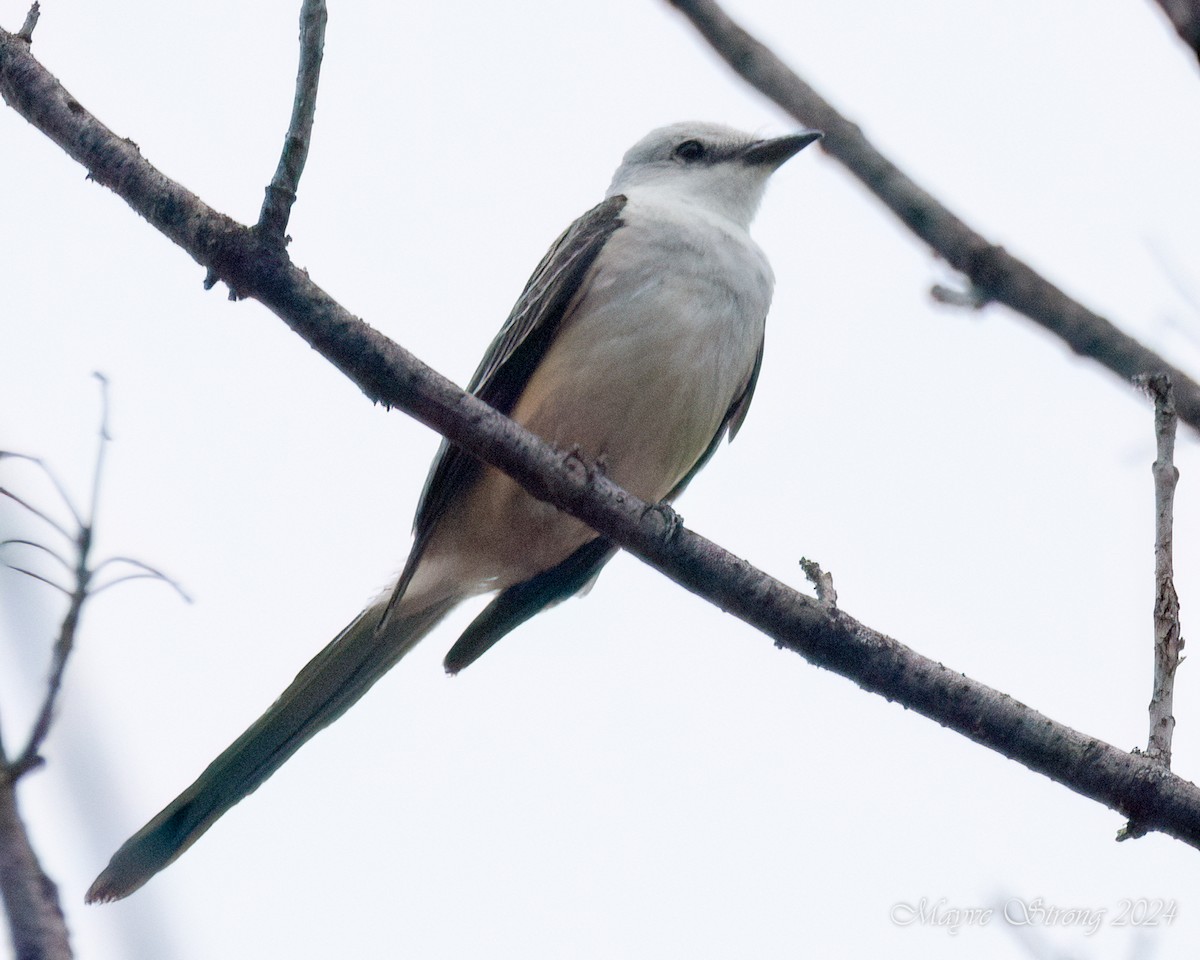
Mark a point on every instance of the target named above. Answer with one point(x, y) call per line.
point(633, 774)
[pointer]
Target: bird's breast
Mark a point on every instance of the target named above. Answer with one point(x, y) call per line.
point(661, 341)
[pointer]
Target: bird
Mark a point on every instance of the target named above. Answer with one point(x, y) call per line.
point(636, 344)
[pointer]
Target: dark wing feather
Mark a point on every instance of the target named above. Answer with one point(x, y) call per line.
point(548, 291)
point(741, 406)
point(520, 345)
point(510, 360)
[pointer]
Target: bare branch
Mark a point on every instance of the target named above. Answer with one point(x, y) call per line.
point(102, 441)
point(5, 492)
point(37, 546)
point(53, 478)
point(28, 758)
point(36, 920)
point(822, 582)
point(63, 645)
point(1185, 18)
point(1168, 640)
point(38, 576)
point(31, 900)
point(143, 576)
point(83, 589)
point(31, 19)
point(149, 572)
point(991, 270)
point(36, 923)
point(281, 193)
point(59, 488)
point(972, 298)
point(62, 653)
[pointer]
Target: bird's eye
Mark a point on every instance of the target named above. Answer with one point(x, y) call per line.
point(690, 150)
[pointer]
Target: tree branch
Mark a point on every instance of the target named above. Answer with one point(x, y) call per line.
point(35, 919)
point(31, 902)
point(281, 192)
point(31, 19)
point(1132, 784)
point(1185, 17)
point(1168, 641)
point(58, 488)
point(30, 756)
point(993, 272)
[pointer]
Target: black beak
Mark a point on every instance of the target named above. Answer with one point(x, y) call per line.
point(773, 153)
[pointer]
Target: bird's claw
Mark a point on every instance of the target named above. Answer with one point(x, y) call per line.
point(672, 520)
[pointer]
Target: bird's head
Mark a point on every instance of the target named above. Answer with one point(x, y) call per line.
point(713, 166)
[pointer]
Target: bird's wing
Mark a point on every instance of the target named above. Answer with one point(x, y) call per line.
point(741, 406)
point(734, 418)
point(547, 300)
point(543, 304)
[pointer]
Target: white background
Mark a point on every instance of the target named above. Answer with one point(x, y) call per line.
point(634, 774)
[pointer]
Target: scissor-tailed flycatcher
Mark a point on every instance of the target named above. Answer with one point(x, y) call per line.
point(637, 341)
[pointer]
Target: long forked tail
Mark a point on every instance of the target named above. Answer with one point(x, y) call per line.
point(328, 686)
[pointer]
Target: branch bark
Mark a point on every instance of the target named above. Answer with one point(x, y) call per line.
point(31, 19)
point(31, 902)
point(281, 192)
point(993, 272)
point(1185, 18)
point(1132, 784)
point(1168, 640)
point(35, 919)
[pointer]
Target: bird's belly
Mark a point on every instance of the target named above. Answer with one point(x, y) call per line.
point(641, 394)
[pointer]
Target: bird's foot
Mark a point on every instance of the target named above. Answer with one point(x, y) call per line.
point(672, 520)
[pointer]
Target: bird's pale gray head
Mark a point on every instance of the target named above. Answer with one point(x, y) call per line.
point(711, 165)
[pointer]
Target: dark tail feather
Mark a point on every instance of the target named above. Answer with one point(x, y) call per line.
point(512, 607)
point(333, 680)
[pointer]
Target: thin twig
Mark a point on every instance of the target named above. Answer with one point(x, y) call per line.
point(143, 576)
point(37, 576)
point(1168, 640)
point(58, 486)
point(30, 757)
point(972, 298)
point(31, 19)
point(1134, 785)
point(991, 270)
point(65, 643)
point(281, 192)
point(822, 582)
point(44, 517)
point(149, 573)
point(102, 441)
point(37, 546)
